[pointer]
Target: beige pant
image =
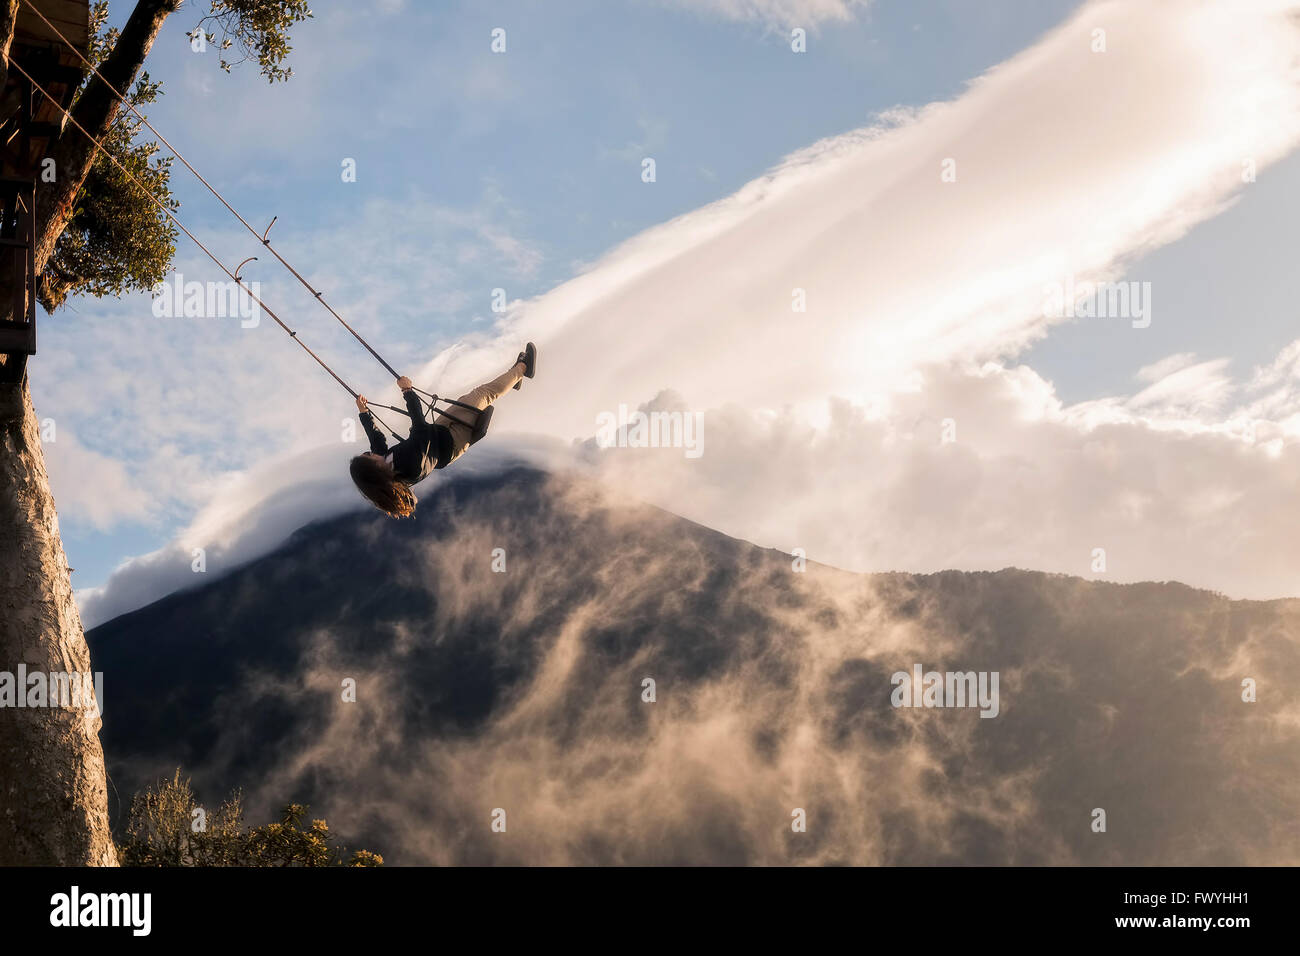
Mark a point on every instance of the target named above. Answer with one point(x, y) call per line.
point(481, 397)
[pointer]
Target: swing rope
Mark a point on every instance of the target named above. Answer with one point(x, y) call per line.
point(206, 251)
point(262, 237)
point(430, 399)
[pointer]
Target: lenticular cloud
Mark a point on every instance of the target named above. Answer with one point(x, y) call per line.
point(1115, 133)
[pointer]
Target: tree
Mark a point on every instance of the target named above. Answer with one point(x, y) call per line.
point(95, 235)
point(117, 238)
point(167, 827)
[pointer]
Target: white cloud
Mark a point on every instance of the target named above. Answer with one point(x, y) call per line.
point(1190, 392)
point(780, 13)
point(1028, 482)
point(1165, 366)
point(92, 487)
point(902, 270)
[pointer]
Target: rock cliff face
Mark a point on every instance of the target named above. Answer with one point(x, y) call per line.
point(53, 803)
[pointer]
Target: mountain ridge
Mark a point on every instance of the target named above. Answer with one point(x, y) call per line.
point(510, 688)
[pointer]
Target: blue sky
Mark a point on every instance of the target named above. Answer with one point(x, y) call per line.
point(557, 127)
point(1224, 289)
point(522, 171)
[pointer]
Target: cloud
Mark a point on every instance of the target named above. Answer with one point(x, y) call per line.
point(974, 469)
point(251, 513)
point(1165, 366)
point(1192, 391)
point(91, 487)
point(986, 469)
point(900, 269)
point(913, 284)
point(779, 13)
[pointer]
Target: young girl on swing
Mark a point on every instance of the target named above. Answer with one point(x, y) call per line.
point(385, 475)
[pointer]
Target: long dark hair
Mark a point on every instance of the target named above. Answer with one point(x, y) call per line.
point(374, 478)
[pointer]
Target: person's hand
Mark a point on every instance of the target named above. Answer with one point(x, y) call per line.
point(404, 383)
point(361, 403)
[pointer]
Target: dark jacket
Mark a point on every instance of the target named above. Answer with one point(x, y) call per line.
point(426, 448)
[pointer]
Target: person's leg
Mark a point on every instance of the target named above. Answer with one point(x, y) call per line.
point(455, 418)
point(489, 392)
point(460, 433)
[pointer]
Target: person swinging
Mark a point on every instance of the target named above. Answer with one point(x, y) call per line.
point(385, 476)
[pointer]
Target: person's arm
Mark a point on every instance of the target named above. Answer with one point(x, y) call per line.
point(378, 444)
point(414, 406)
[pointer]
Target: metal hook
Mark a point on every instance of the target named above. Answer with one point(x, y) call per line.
point(242, 264)
point(266, 241)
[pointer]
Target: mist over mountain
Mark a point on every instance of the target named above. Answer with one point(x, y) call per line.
point(522, 690)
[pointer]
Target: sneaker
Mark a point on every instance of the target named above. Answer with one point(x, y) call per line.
point(529, 357)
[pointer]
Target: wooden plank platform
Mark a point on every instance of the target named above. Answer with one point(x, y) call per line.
point(71, 17)
point(56, 68)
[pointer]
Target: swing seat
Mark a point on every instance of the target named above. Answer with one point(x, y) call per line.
point(481, 426)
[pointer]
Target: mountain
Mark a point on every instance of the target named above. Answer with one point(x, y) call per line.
point(521, 690)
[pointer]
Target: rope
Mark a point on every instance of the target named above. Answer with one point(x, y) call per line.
point(180, 225)
point(262, 237)
point(387, 427)
point(317, 295)
point(434, 400)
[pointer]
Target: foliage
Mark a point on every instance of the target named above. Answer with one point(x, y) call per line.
point(256, 29)
point(117, 238)
point(164, 829)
